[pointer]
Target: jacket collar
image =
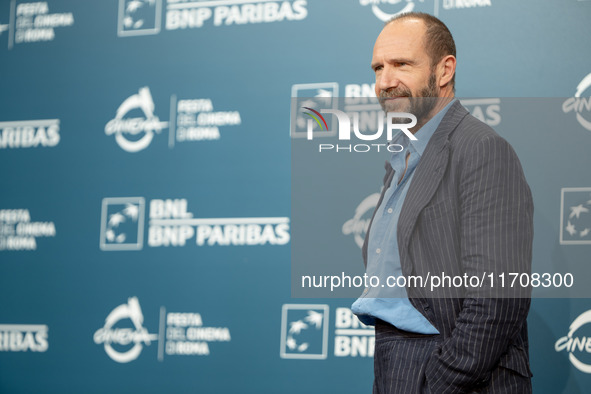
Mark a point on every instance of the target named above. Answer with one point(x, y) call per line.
point(426, 180)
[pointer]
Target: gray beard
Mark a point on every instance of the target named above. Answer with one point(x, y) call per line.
point(420, 106)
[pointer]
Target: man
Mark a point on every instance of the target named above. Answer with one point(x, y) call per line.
point(454, 203)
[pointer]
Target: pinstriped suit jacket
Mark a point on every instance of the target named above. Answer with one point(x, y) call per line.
point(468, 210)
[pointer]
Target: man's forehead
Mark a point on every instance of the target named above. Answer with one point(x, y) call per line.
point(407, 32)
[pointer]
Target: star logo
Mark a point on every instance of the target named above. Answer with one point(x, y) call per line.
point(122, 223)
point(139, 17)
point(576, 211)
point(575, 220)
point(304, 331)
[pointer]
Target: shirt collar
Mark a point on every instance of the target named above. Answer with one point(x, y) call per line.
point(426, 132)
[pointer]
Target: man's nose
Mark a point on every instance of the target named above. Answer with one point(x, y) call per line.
point(388, 79)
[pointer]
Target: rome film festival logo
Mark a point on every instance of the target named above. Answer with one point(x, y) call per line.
point(123, 337)
point(134, 134)
point(575, 216)
point(19, 232)
point(180, 333)
point(122, 223)
point(579, 104)
point(577, 346)
point(304, 331)
point(385, 10)
point(359, 223)
point(139, 17)
point(394, 7)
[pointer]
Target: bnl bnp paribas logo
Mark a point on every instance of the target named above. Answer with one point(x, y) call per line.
point(305, 333)
point(384, 10)
point(39, 133)
point(144, 17)
point(579, 104)
point(124, 336)
point(136, 124)
point(172, 225)
point(575, 216)
point(139, 17)
point(24, 338)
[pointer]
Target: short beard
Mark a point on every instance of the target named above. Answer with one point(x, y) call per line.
point(420, 106)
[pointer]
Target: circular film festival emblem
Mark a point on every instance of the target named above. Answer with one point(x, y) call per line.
point(577, 344)
point(392, 7)
point(124, 337)
point(134, 134)
point(580, 104)
point(359, 223)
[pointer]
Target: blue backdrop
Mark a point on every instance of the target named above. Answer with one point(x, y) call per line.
point(145, 200)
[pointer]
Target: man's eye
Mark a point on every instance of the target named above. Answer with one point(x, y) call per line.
point(378, 68)
point(400, 64)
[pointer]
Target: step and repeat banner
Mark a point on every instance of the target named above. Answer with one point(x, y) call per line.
point(146, 186)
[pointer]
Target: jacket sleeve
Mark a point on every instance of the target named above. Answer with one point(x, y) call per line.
point(496, 237)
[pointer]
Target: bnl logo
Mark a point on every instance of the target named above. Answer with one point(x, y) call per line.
point(575, 216)
point(315, 96)
point(139, 17)
point(122, 223)
point(304, 331)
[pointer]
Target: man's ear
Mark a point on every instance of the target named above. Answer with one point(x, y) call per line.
point(446, 70)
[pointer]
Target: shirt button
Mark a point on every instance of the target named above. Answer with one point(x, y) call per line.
point(378, 250)
point(390, 210)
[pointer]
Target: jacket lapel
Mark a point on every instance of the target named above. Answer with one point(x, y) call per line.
point(426, 180)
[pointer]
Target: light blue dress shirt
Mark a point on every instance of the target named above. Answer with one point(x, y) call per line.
point(391, 304)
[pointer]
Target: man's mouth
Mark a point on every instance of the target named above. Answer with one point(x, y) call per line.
point(392, 101)
point(390, 98)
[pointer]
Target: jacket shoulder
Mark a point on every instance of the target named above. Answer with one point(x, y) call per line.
point(472, 135)
point(471, 131)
